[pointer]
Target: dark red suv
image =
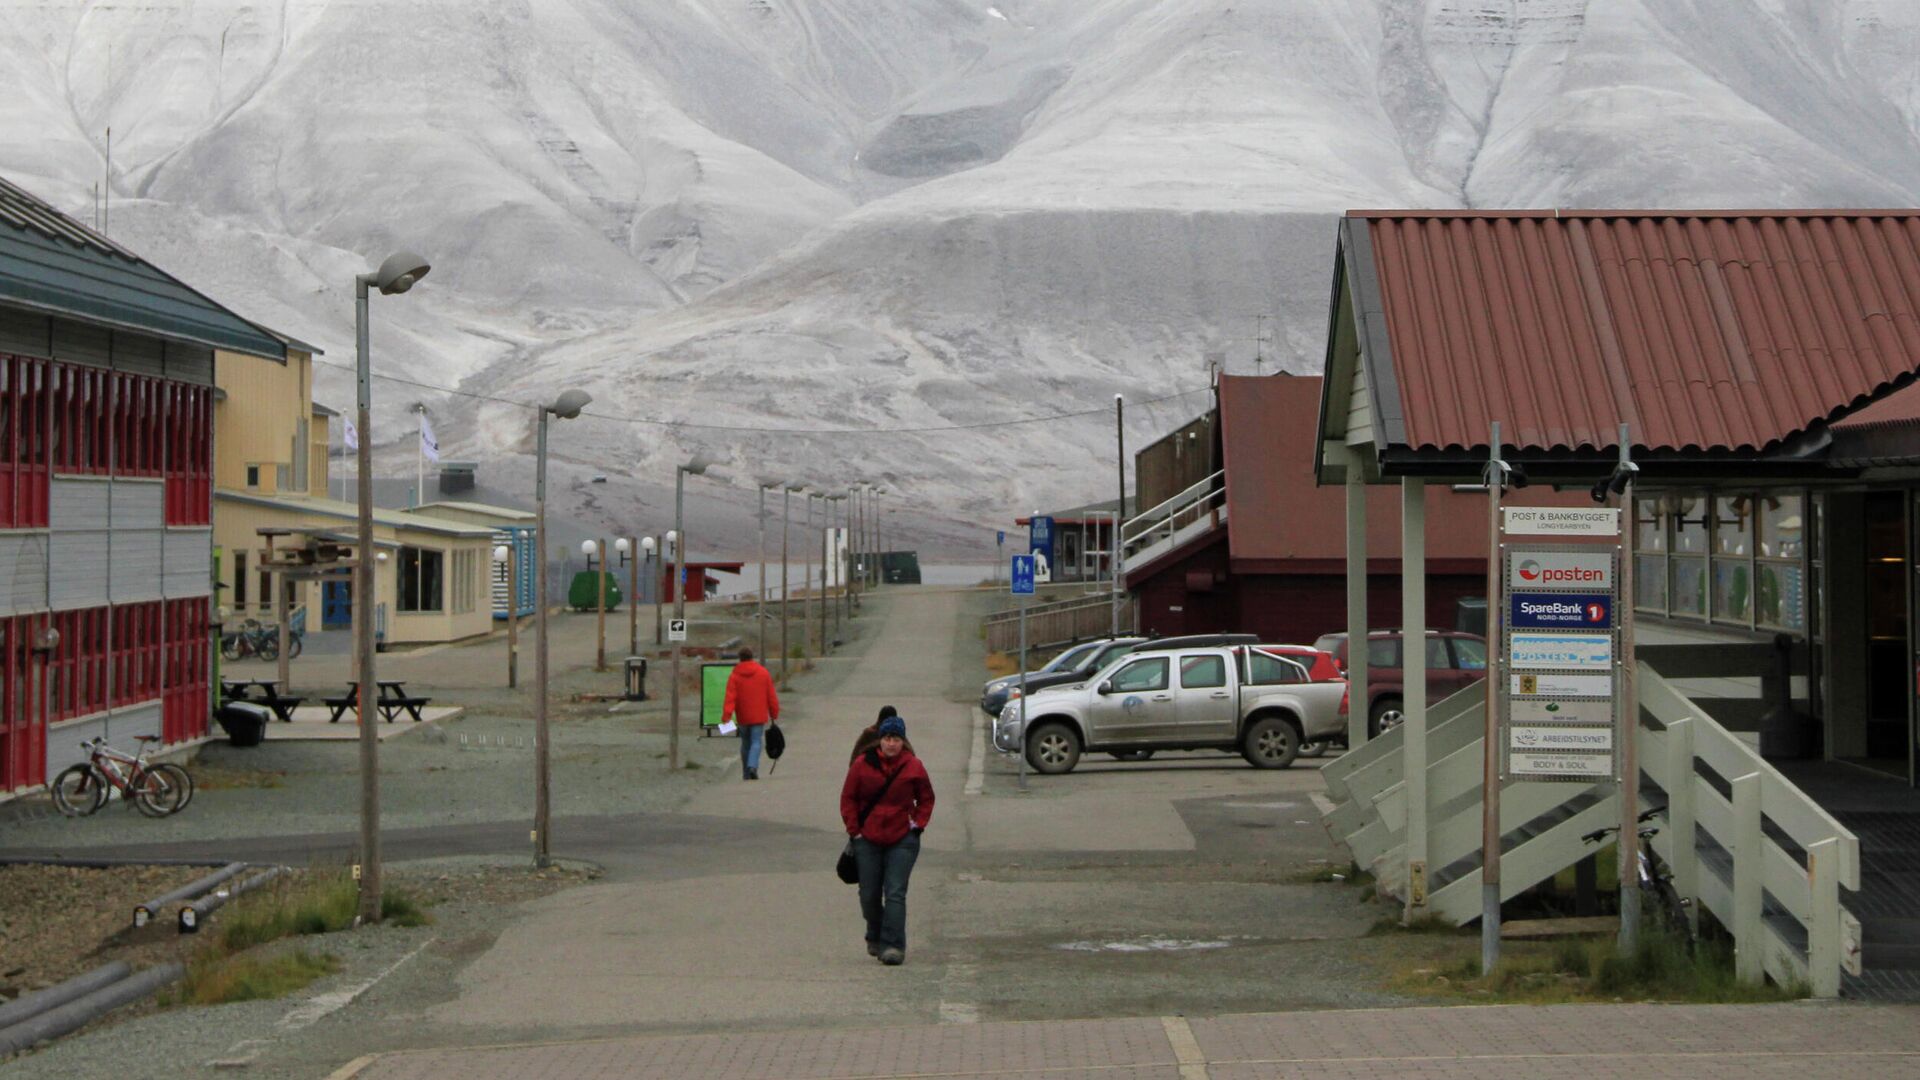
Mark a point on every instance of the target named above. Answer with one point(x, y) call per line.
point(1455, 661)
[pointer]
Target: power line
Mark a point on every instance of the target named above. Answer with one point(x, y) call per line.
point(1099, 410)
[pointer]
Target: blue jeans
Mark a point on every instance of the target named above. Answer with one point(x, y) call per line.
point(752, 737)
point(883, 888)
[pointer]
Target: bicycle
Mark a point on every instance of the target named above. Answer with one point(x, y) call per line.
point(256, 639)
point(1654, 877)
point(156, 790)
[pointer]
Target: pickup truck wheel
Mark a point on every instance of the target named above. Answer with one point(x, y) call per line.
point(1130, 755)
point(1053, 749)
point(1271, 743)
point(1385, 716)
point(1313, 749)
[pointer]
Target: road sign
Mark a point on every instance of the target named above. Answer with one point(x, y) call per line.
point(676, 629)
point(1000, 537)
point(1561, 521)
point(1023, 575)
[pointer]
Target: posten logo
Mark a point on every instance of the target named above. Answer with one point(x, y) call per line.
point(1534, 573)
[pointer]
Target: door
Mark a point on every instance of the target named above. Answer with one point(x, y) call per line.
point(336, 605)
point(1207, 709)
point(1138, 703)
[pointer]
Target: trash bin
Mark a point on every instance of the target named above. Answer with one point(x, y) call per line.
point(245, 724)
point(1470, 615)
point(636, 678)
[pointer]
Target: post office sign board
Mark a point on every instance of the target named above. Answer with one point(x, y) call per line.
point(1538, 764)
point(1560, 611)
point(1545, 651)
point(1583, 571)
point(1561, 521)
point(1539, 711)
point(1561, 737)
point(1548, 684)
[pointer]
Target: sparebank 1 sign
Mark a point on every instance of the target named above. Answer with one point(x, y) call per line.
point(1560, 611)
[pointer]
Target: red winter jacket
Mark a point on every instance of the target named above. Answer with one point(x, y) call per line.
point(750, 695)
point(908, 802)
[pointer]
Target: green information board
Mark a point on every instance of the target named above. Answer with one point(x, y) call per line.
point(713, 692)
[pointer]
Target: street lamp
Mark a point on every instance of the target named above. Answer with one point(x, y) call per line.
point(761, 485)
point(660, 598)
point(396, 275)
point(695, 467)
point(786, 590)
point(631, 559)
point(503, 558)
point(590, 548)
point(567, 406)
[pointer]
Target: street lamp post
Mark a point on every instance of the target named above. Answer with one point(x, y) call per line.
point(566, 407)
point(761, 612)
point(695, 467)
point(786, 590)
point(503, 557)
point(879, 539)
point(806, 582)
point(625, 546)
point(650, 551)
point(664, 546)
point(395, 276)
point(590, 548)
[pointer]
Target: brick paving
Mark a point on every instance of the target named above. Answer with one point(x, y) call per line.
point(1577, 1042)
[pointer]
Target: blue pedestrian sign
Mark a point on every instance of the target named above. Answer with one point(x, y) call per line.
point(1023, 575)
point(1000, 537)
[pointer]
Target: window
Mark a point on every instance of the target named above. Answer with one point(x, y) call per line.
point(253, 476)
point(1736, 558)
point(1266, 669)
point(420, 579)
point(137, 639)
point(1437, 658)
point(1202, 672)
point(1383, 652)
point(1141, 676)
point(1469, 655)
point(266, 591)
point(1071, 659)
point(465, 580)
point(77, 670)
point(239, 580)
point(302, 442)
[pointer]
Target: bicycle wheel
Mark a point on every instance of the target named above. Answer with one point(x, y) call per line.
point(79, 790)
point(230, 646)
point(267, 647)
point(294, 645)
point(179, 777)
point(155, 793)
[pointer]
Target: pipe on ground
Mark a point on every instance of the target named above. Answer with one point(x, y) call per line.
point(194, 914)
point(28, 1006)
point(143, 913)
point(82, 1011)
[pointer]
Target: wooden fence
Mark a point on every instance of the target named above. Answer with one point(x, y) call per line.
point(1059, 622)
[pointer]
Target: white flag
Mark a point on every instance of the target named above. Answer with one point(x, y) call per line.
point(429, 445)
point(353, 434)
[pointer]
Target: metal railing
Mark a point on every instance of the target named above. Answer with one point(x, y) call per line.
point(1199, 507)
point(1727, 813)
point(1060, 622)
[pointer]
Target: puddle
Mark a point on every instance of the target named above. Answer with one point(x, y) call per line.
point(1142, 945)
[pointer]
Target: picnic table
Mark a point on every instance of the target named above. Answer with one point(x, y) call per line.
point(270, 695)
point(392, 701)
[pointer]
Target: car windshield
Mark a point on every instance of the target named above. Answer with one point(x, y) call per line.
point(1070, 660)
point(1330, 643)
point(1471, 652)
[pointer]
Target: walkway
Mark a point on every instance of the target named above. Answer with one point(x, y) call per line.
point(1576, 1042)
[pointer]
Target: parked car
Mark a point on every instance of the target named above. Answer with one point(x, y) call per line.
point(1455, 661)
point(1243, 699)
point(1070, 666)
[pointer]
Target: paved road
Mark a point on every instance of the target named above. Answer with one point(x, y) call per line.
point(1635, 1042)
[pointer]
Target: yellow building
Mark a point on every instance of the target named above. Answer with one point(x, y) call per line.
point(270, 470)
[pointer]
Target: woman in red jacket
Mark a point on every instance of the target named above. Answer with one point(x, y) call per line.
point(886, 802)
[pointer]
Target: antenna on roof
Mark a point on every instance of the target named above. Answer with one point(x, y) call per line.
point(106, 209)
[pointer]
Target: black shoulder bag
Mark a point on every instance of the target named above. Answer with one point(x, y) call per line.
point(848, 867)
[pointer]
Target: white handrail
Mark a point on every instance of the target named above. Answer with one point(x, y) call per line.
point(1191, 494)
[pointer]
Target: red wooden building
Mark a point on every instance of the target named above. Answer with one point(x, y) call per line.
point(1256, 547)
point(106, 470)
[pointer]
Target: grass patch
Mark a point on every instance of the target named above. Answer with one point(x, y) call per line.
point(1425, 924)
point(216, 979)
point(1000, 664)
point(311, 904)
point(1661, 968)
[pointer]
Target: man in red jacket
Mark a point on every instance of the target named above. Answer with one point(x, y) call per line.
point(750, 696)
point(886, 801)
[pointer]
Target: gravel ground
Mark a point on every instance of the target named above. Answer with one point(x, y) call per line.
point(59, 921)
point(470, 899)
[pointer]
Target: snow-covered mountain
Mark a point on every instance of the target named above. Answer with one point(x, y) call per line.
point(891, 214)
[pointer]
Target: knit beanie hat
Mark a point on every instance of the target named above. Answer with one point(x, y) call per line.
point(893, 725)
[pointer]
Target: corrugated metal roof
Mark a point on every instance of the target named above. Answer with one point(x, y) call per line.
point(1718, 330)
point(334, 508)
point(52, 263)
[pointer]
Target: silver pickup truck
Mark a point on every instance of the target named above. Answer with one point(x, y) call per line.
point(1242, 699)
